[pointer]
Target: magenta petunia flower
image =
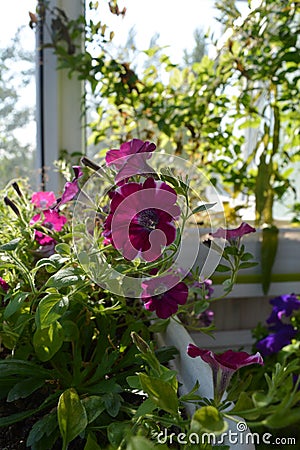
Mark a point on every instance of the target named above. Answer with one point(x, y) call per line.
point(131, 159)
point(50, 219)
point(171, 293)
point(235, 233)
point(128, 148)
point(43, 200)
point(71, 188)
point(224, 365)
point(4, 285)
point(43, 239)
point(141, 219)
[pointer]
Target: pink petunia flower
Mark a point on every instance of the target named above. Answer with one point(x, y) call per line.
point(4, 285)
point(43, 200)
point(50, 219)
point(171, 294)
point(71, 188)
point(235, 233)
point(141, 219)
point(223, 365)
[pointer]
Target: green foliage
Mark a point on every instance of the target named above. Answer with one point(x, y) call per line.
point(210, 109)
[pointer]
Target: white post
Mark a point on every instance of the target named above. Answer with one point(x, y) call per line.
point(60, 118)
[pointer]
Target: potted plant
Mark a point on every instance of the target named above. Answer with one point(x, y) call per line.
point(78, 367)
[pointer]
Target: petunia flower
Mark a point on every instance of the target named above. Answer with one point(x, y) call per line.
point(276, 341)
point(171, 294)
point(141, 219)
point(71, 188)
point(130, 159)
point(234, 234)
point(4, 285)
point(128, 148)
point(206, 318)
point(223, 365)
point(43, 239)
point(284, 305)
point(50, 219)
point(43, 200)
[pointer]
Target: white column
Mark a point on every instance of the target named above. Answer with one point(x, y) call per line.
point(60, 119)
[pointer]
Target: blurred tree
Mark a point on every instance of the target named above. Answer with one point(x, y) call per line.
point(16, 148)
point(198, 51)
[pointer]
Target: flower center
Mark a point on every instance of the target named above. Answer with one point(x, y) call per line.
point(48, 225)
point(148, 219)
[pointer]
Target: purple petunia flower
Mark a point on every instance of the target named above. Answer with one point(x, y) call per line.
point(71, 188)
point(276, 341)
point(127, 149)
point(43, 200)
point(4, 285)
point(284, 305)
point(235, 233)
point(141, 219)
point(224, 365)
point(171, 293)
point(131, 159)
point(206, 318)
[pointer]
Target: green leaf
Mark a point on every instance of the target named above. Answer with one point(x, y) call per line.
point(268, 254)
point(25, 388)
point(134, 382)
point(72, 417)
point(141, 443)
point(245, 403)
point(71, 330)
point(22, 368)
point(208, 419)
point(203, 207)
point(64, 278)
point(94, 406)
point(147, 407)
point(247, 265)
point(222, 268)
point(116, 432)
point(17, 417)
point(282, 419)
point(159, 326)
point(160, 392)
point(246, 256)
point(9, 246)
point(43, 427)
point(231, 250)
point(63, 249)
point(15, 304)
point(50, 309)
point(47, 341)
point(112, 403)
point(91, 443)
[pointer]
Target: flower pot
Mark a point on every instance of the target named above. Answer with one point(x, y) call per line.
point(192, 369)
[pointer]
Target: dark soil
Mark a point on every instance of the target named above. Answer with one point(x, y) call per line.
point(14, 437)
